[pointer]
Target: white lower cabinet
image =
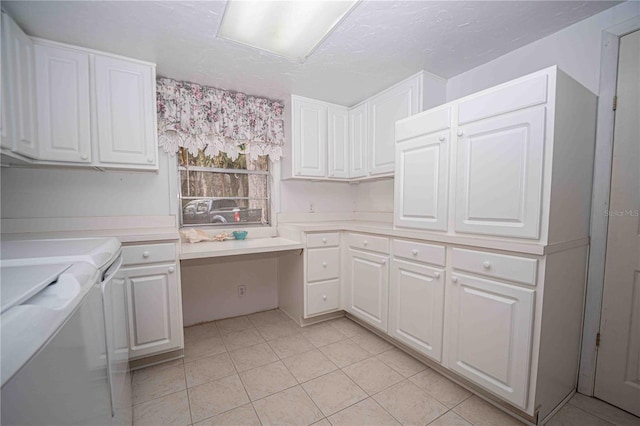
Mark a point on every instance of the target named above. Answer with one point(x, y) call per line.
point(368, 287)
point(416, 306)
point(491, 326)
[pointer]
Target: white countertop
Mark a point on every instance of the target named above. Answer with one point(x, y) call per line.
point(237, 247)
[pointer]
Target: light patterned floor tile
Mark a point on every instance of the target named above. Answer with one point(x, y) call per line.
point(268, 317)
point(267, 380)
point(228, 325)
point(253, 356)
point(409, 404)
point(481, 413)
point(570, 415)
point(372, 375)
point(289, 407)
point(604, 411)
point(345, 353)
point(286, 347)
point(347, 327)
point(450, 419)
point(241, 416)
point(202, 347)
point(151, 383)
point(170, 410)
point(322, 334)
point(216, 397)
point(210, 368)
point(309, 365)
point(371, 343)
point(323, 422)
point(241, 339)
point(200, 331)
point(404, 364)
point(366, 412)
point(441, 388)
point(279, 329)
point(333, 392)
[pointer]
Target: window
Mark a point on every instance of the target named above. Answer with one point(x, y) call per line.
point(220, 191)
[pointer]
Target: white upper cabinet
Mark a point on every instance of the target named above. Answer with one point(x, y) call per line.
point(19, 132)
point(338, 141)
point(398, 102)
point(64, 105)
point(358, 159)
point(125, 111)
point(499, 176)
point(309, 119)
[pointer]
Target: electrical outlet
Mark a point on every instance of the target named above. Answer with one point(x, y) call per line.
point(242, 290)
point(311, 208)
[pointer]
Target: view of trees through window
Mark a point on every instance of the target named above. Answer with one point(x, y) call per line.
point(218, 190)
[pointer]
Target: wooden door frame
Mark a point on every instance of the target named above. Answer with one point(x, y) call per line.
point(600, 200)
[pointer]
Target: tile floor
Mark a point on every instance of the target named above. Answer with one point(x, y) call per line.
point(263, 369)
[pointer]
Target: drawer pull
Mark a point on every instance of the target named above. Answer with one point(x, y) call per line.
point(460, 133)
point(486, 264)
point(454, 279)
point(383, 261)
point(171, 269)
point(436, 275)
point(145, 254)
point(324, 297)
point(324, 240)
point(365, 242)
point(324, 264)
point(414, 252)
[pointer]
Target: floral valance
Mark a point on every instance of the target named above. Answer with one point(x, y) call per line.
point(199, 117)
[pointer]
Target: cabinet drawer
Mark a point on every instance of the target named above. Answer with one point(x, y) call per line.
point(148, 253)
point(323, 297)
point(323, 264)
point(420, 252)
point(518, 269)
point(325, 239)
point(369, 242)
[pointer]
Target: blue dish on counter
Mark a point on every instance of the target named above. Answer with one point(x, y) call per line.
point(240, 235)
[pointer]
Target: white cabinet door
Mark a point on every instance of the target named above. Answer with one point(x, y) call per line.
point(338, 142)
point(421, 182)
point(62, 90)
point(358, 158)
point(490, 343)
point(499, 174)
point(309, 138)
point(416, 307)
point(154, 311)
point(125, 112)
point(384, 110)
point(19, 131)
point(368, 296)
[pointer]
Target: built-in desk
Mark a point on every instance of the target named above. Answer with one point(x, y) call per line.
point(236, 247)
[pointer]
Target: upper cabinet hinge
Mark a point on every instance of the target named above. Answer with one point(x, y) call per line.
point(615, 102)
point(598, 340)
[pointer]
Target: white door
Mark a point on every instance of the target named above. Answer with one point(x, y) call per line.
point(384, 110)
point(358, 158)
point(416, 305)
point(338, 142)
point(499, 174)
point(309, 138)
point(62, 90)
point(618, 367)
point(490, 342)
point(153, 303)
point(421, 182)
point(19, 78)
point(368, 297)
point(125, 112)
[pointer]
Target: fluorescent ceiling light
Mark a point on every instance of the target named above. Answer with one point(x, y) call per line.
point(292, 29)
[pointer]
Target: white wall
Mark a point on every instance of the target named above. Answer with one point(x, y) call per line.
point(576, 50)
point(210, 287)
point(297, 196)
point(375, 196)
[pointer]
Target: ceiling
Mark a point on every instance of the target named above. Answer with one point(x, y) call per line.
point(378, 44)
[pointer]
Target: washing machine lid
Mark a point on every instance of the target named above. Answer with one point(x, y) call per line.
point(99, 252)
point(19, 283)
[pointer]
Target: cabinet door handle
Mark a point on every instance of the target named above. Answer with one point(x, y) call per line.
point(365, 242)
point(84, 157)
point(383, 261)
point(460, 133)
point(486, 264)
point(324, 264)
point(414, 252)
point(454, 279)
point(441, 138)
point(145, 254)
point(149, 160)
point(324, 240)
point(171, 269)
point(436, 275)
point(324, 297)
